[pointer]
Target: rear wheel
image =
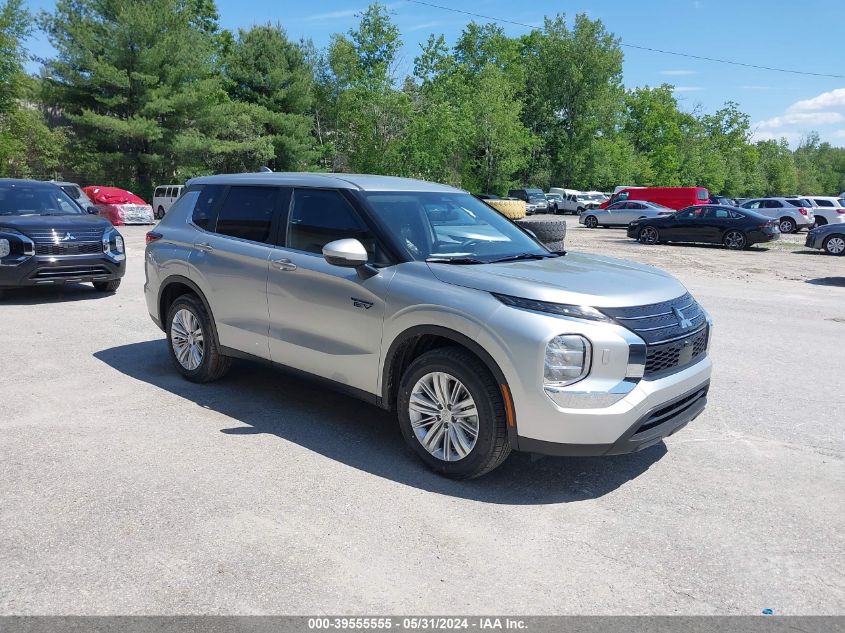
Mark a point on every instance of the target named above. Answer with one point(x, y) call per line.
point(159, 212)
point(735, 240)
point(193, 346)
point(649, 235)
point(452, 414)
point(787, 225)
point(107, 286)
point(820, 221)
point(835, 245)
point(591, 222)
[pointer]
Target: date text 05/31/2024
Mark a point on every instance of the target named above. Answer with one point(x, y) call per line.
point(417, 623)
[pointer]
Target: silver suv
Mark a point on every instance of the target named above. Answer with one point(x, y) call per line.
point(421, 299)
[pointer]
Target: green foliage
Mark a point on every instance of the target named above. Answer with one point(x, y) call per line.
point(153, 91)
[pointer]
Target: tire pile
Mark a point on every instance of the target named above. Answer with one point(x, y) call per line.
point(550, 231)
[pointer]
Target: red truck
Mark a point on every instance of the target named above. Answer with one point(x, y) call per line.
point(672, 197)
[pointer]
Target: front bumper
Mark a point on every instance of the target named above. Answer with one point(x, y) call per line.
point(52, 270)
point(814, 240)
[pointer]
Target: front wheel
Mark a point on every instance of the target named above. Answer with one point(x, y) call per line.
point(591, 222)
point(735, 240)
point(159, 213)
point(452, 413)
point(835, 245)
point(193, 346)
point(649, 235)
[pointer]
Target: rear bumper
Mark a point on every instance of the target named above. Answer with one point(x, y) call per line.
point(50, 270)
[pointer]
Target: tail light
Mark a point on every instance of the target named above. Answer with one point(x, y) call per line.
point(802, 211)
point(152, 236)
point(841, 211)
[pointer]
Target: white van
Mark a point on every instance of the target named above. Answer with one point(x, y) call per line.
point(164, 196)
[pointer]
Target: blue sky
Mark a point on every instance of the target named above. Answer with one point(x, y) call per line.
point(805, 36)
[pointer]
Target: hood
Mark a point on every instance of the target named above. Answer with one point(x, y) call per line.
point(574, 278)
point(24, 224)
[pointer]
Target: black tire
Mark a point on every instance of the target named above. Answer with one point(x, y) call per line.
point(107, 286)
point(214, 364)
point(735, 240)
point(159, 213)
point(591, 222)
point(547, 230)
point(834, 245)
point(648, 235)
point(491, 447)
point(820, 221)
point(787, 225)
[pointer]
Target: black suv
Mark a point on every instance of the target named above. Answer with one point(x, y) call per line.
point(47, 238)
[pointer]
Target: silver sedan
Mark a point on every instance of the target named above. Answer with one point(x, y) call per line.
point(622, 213)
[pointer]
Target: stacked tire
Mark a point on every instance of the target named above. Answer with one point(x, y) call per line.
point(512, 209)
point(550, 231)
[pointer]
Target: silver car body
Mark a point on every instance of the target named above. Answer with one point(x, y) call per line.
point(831, 208)
point(780, 209)
point(295, 309)
point(623, 213)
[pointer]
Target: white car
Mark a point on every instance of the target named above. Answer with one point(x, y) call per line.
point(790, 214)
point(623, 213)
point(577, 203)
point(164, 197)
point(828, 209)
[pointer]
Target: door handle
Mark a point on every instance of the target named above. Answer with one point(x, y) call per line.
point(283, 264)
point(204, 246)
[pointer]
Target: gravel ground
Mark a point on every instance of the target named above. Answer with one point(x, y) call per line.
point(126, 490)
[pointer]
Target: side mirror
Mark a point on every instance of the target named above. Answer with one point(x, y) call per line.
point(349, 253)
point(93, 210)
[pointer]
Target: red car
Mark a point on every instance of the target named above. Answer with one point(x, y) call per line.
point(120, 206)
point(673, 197)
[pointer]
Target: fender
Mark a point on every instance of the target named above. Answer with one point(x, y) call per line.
point(387, 399)
point(179, 279)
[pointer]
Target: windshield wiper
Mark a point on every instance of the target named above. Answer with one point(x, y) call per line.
point(513, 258)
point(454, 260)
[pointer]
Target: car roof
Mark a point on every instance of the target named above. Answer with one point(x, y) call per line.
point(361, 182)
point(24, 181)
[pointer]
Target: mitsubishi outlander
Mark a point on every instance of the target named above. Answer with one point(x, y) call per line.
point(423, 300)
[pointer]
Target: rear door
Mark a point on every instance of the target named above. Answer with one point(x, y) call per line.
point(326, 320)
point(230, 260)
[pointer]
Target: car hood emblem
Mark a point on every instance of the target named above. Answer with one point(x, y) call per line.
point(67, 237)
point(683, 321)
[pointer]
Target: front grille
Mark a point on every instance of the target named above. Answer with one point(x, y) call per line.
point(675, 354)
point(661, 322)
point(60, 236)
point(71, 272)
point(69, 249)
point(670, 411)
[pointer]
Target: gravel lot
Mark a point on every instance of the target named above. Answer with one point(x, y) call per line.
point(127, 490)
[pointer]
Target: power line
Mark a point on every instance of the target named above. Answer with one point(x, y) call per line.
point(641, 48)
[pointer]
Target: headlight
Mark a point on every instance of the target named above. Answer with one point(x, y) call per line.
point(15, 247)
point(576, 312)
point(118, 244)
point(5, 248)
point(113, 243)
point(567, 360)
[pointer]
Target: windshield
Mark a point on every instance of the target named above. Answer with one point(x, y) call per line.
point(77, 194)
point(25, 199)
point(450, 226)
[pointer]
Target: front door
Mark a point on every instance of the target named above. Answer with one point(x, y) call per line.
point(326, 320)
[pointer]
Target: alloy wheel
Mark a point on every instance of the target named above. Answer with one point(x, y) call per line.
point(444, 417)
point(187, 339)
point(591, 222)
point(835, 245)
point(787, 226)
point(648, 235)
point(735, 240)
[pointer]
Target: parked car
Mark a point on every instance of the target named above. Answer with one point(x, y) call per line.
point(75, 192)
point(829, 237)
point(828, 209)
point(555, 202)
point(488, 196)
point(47, 238)
point(672, 197)
point(163, 198)
point(791, 215)
point(723, 201)
point(481, 343)
point(707, 224)
point(577, 203)
point(622, 214)
point(535, 200)
point(120, 206)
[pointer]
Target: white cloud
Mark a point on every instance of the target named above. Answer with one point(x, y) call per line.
point(793, 138)
point(839, 134)
point(687, 88)
point(802, 118)
point(424, 25)
point(677, 73)
point(332, 15)
point(833, 100)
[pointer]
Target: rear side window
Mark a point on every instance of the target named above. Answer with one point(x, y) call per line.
point(320, 216)
point(247, 213)
point(736, 215)
point(715, 212)
point(824, 203)
point(702, 195)
point(208, 199)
